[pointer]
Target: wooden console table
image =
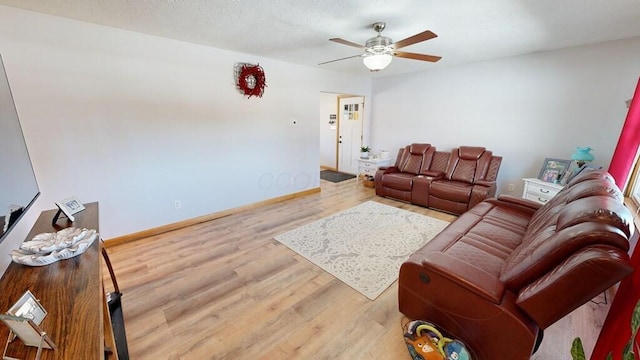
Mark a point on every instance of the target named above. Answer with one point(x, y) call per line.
point(70, 290)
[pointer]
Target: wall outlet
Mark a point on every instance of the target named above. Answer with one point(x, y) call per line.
point(511, 187)
point(177, 204)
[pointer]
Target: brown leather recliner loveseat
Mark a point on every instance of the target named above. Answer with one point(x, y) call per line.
point(449, 181)
point(510, 267)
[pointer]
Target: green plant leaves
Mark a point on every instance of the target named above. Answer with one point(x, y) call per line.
point(635, 320)
point(627, 353)
point(577, 351)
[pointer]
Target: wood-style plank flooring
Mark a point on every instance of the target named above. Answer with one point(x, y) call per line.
point(225, 289)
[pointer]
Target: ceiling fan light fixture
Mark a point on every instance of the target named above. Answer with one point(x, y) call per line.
point(377, 62)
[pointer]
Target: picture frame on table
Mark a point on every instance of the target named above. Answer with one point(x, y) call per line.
point(69, 206)
point(553, 170)
point(23, 319)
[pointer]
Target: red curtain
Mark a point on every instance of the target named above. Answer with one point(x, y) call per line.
point(627, 148)
point(616, 330)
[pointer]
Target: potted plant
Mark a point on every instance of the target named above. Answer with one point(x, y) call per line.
point(364, 152)
point(630, 351)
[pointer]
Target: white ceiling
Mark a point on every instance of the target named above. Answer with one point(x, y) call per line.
point(297, 31)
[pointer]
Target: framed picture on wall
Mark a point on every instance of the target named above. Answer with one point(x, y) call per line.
point(552, 170)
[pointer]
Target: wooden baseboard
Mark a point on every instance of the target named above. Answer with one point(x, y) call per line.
point(217, 215)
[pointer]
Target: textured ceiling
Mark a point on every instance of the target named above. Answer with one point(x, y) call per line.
point(297, 31)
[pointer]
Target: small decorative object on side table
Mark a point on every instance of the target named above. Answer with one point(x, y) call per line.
point(368, 167)
point(582, 155)
point(68, 207)
point(539, 191)
point(553, 169)
point(364, 152)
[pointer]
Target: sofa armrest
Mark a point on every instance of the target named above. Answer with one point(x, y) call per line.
point(516, 203)
point(465, 275)
point(481, 192)
point(486, 183)
point(572, 283)
point(432, 173)
point(389, 169)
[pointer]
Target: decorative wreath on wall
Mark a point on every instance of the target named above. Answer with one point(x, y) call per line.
point(250, 79)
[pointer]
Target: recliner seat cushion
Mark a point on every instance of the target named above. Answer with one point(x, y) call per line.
point(484, 237)
point(398, 181)
point(451, 190)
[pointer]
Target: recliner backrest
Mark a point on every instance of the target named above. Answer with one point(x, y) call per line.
point(403, 153)
point(591, 185)
point(468, 164)
point(438, 163)
point(417, 154)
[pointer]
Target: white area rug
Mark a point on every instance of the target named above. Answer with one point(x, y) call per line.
point(363, 246)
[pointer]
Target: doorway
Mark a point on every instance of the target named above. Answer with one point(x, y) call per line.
point(341, 131)
point(350, 128)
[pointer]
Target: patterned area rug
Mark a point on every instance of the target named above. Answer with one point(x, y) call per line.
point(363, 246)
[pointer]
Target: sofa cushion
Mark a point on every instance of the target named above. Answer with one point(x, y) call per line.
point(588, 185)
point(414, 160)
point(438, 164)
point(398, 181)
point(451, 190)
point(483, 237)
point(465, 164)
point(597, 209)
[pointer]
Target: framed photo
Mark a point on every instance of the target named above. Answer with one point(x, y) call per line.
point(24, 318)
point(553, 170)
point(70, 206)
point(28, 307)
point(28, 331)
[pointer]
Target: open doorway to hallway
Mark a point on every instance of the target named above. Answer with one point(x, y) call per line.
point(341, 131)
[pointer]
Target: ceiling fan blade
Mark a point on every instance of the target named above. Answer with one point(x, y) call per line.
point(346, 42)
point(345, 58)
point(415, 56)
point(423, 36)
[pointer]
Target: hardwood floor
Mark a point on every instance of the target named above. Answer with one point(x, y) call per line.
point(225, 289)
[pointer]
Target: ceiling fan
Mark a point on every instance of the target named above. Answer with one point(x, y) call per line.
point(380, 50)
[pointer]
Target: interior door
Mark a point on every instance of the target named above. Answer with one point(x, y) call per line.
point(351, 114)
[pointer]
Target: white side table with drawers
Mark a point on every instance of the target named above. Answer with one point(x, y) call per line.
point(370, 166)
point(539, 191)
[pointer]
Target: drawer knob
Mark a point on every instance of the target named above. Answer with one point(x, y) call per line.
point(544, 191)
point(542, 200)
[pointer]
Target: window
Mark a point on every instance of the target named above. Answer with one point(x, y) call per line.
point(635, 182)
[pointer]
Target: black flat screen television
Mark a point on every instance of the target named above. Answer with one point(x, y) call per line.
point(18, 185)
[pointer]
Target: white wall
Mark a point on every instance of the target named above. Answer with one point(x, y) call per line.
point(135, 122)
point(524, 108)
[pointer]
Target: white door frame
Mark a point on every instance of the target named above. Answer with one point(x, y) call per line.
point(355, 140)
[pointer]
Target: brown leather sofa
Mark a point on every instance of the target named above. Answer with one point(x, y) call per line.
point(449, 181)
point(510, 267)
